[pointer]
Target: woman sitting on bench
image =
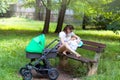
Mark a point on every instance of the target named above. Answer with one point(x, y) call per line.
point(65, 37)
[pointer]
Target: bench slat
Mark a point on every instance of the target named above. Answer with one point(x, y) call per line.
point(94, 43)
point(82, 59)
point(92, 48)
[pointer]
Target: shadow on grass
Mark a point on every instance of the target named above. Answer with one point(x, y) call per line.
point(13, 34)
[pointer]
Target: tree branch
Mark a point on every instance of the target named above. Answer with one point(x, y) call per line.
point(44, 4)
point(68, 2)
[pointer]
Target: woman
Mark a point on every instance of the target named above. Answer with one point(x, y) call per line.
point(65, 36)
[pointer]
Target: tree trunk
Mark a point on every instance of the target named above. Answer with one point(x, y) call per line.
point(41, 13)
point(47, 18)
point(47, 21)
point(37, 10)
point(84, 22)
point(61, 16)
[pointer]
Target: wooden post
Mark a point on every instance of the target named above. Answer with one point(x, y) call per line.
point(94, 67)
point(63, 60)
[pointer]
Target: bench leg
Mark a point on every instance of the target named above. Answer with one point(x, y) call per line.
point(63, 60)
point(94, 67)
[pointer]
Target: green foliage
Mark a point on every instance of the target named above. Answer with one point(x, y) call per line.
point(100, 22)
point(93, 10)
point(3, 6)
point(29, 3)
point(114, 6)
point(88, 7)
point(110, 18)
point(112, 11)
point(32, 3)
point(114, 25)
point(104, 14)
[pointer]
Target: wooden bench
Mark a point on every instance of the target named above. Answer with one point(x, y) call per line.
point(92, 65)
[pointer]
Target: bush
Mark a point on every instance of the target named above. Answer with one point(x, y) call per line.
point(114, 26)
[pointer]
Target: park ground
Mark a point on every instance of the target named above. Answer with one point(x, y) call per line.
point(15, 34)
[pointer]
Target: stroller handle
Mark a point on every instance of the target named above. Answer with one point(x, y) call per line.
point(52, 42)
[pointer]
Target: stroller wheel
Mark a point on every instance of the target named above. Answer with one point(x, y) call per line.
point(26, 74)
point(53, 74)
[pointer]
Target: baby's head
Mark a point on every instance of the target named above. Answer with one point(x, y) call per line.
point(73, 38)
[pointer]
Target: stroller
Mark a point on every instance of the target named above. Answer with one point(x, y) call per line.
point(39, 56)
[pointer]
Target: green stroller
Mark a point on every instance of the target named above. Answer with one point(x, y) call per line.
point(37, 52)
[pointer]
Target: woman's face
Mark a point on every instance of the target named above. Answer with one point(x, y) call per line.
point(69, 30)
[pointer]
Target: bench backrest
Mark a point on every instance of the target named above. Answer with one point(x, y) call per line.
point(93, 46)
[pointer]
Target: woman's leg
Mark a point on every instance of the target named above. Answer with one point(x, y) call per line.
point(62, 48)
point(65, 47)
point(71, 50)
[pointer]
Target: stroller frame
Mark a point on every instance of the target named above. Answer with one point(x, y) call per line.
point(45, 69)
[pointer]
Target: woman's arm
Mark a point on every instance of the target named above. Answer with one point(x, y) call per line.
point(78, 38)
point(62, 36)
point(62, 40)
point(73, 34)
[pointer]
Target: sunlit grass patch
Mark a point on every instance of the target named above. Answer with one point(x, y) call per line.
point(102, 34)
point(20, 24)
point(15, 23)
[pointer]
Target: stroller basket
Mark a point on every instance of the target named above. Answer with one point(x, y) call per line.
point(51, 54)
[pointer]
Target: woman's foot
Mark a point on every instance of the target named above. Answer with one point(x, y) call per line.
point(78, 55)
point(64, 52)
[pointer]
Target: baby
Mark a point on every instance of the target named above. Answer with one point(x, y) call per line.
point(73, 44)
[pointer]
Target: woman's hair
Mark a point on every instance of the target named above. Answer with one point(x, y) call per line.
point(68, 27)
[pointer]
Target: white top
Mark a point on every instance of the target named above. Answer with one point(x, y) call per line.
point(65, 36)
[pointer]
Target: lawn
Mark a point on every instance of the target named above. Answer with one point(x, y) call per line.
point(15, 34)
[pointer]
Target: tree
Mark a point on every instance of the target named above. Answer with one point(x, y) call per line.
point(37, 4)
point(61, 15)
point(37, 10)
point(113, 13)
point(47, 18)
point(84, 22)
point(87, 10)
point(3, 6)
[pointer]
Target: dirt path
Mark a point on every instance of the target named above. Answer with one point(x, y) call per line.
point(62, 76)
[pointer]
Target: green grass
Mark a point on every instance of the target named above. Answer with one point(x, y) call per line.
point(15, 34)
point(16, 23)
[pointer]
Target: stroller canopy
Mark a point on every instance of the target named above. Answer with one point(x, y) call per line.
point(36, 45)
